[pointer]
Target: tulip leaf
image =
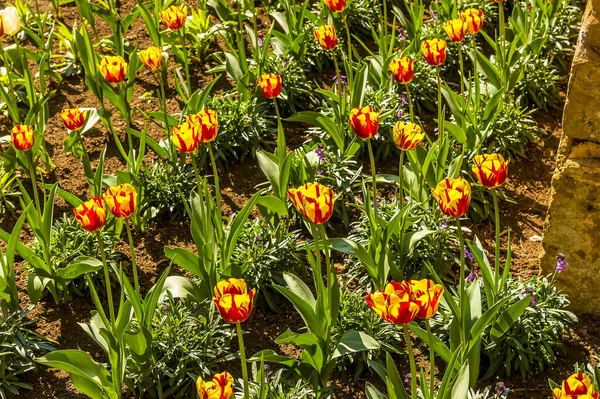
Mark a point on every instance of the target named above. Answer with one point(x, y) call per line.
point(507, 318)
point(354, 341)
point(305, 309)
point(373, 393)
point(460, 387)
point(298, 287)
point(80, 265)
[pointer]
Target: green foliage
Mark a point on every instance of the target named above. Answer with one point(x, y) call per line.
point(187, 339)
point(279, 384)
point(19, 346)
point(9, 192)
point(539, 85)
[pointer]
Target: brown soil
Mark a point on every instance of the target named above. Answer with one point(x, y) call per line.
point(529, 186)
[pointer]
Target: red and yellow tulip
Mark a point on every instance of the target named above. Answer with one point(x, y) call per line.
point(221, 387)
point(152, 58)
point(453, 196)
point(434, 51)
point(326, 37)
point(174, 17)
point(427, 295)
point(121, 200)
point(270, 85)
point(407, 136)
point(490, 169)
point(314, 201)
point(456, 29)
point(364, 121)
point(22, 137)
point(473, 19)
point(394, 304)
point(206, 124)
point(73, 118)
point(91, 215)
point(336, 5)
point(113, 69)
point(186, 137)
point(577, 386)
point(402, 69)
point(233, 300)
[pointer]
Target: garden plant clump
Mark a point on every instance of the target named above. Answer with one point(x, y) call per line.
point(277, 199)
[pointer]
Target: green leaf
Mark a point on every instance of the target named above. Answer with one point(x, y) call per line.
point(80, 265)
point(507, 318)
point(298, 287)
point(460, 387)
point(354, 341)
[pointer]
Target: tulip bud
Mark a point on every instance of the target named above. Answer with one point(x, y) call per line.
point(22, 137)
point(326, 37)
point(270, 85)
point(206, 124)
point(121, 200)
point(402, 69)
point(456, 30)
point(434, 51)
point(91, 215)
point(407, 137)
point(313, 201)
point(221, 387)
point(364, 121)
point(474, 20)
point(10, 22)
point(394, 304)
point(490, 169)
point(453, 196)
point(336, 5)
point(113, 69)
point(427, 295)
point(233, 300)
point(185, 137)
point(174, 17)
point(152, 58)
point(73, 118)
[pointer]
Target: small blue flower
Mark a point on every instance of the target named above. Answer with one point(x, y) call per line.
point(469, 255)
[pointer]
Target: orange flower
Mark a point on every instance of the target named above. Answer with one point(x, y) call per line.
point(91, 215)
point(326, 37)
point(314, 201)
point(22, 137)
point(206, 124)
point(577, 386)
point(221, 387)
point(402, 69)
point(174, 17)
point(407, 137)
point(73, 118)
point(113, 69)
point(453, 196)
point(152, 58)
point(474, 19)
point(364, 121)
point(185, 137)
point(394, 304)
point(336, 5)
point(121, 200)
point(456, 29)
point(233, 300)
point(427, 295)
point(434, 51)
point(270, 85)
point(490, 169)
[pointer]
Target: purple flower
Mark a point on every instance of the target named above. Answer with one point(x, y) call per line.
point(471, 277)
point(530, 291)
point(561, 262)
point(469, 255)
point(343, 80)
point(407, 378)
point(444, 224)
point(436, 131)
point(403, 99)
point(402, 35)
point(501, 388)
point(434, 15)
point(320, 172)
point(320, 154)
point(260, 42)
point(533, 301)
point(399, 114)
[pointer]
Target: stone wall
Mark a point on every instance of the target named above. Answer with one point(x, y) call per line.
point(573, 220)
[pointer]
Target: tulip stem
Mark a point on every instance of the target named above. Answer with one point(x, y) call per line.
point(502, 37)
point(32, 176)
point(410, 105)
point(188, 88)
point(374, 177)
point(413, 366)
point(136, 282)
point(349, 38)
point(497, 223)
point(198, 180)
point(216, 178)
point(111, 307)
point(281, 145)
point(462, 73)
point(401, 180)
point(243, 359)
point(431, 360)
point(317, 275)
point(123, 93)
point(463, 295)
point(476, 81)
point(439, 85)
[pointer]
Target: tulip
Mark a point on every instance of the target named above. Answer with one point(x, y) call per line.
point(91, 214)
point(456, 29)
point(10, 22)
point(394, 303)
point(73, 118)
point(152, 58)
point(473, 19)
point(364, 121)
point(427, 295)
point(407, 137)
point(577, 386)
point(434, 51)
point(22, 137)
point(206, 123)
point(185, 137)
point(174, 17)
point(326, 37)
point(453, 196)
point(336, 5)
point(270, 85)
point(221, 387)
point(490, 169)
point(402, 69)
point(121, 200)
point(314, 201)
point(113, 69)
point(233, 300)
